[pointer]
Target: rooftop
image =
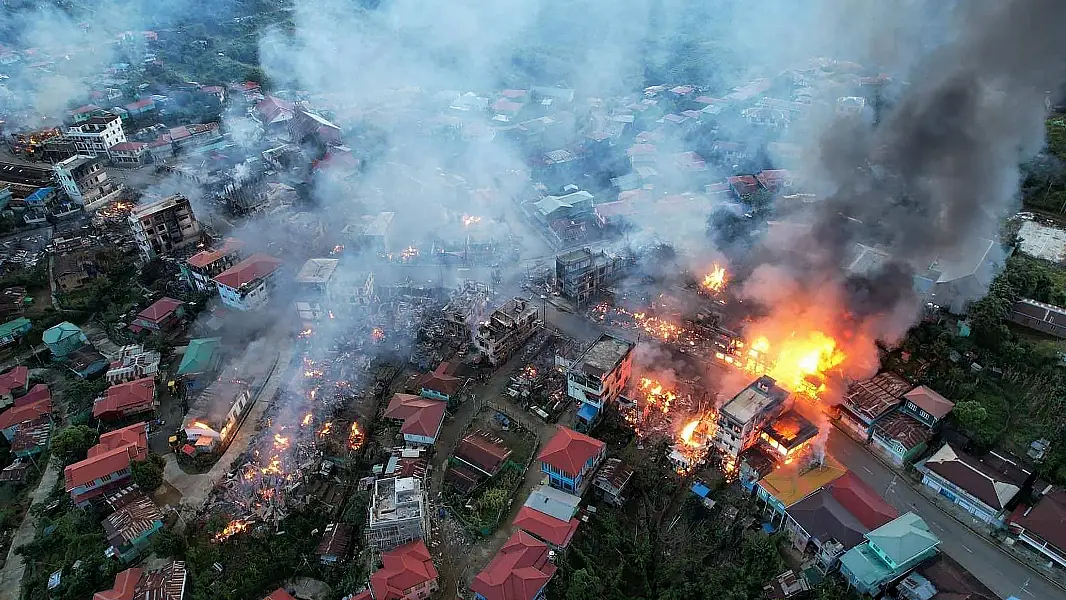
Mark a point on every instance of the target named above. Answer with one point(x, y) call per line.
point(396, 499)
point(199, 355)
point(317, 270)
point(553, 502)
point(420, 416)
point(137, 516)
point(482, 450)
point(760, 395)
point(160, 309)
point(403, 568)
point(903, 538)
point(518, 571)
point(569, 450)
point(133, 396)
point(145, 210)
point(790, 485)
point(604, 355)
point(546, 527)
point(248, 271)
point(903, 428)
point(872, 398)
point(336, 540)
point(930, 401)
point(27, 412)
point(1046, 519)
point(204, 258)
point(167, 583)
point(790, 430)
point(992, 479)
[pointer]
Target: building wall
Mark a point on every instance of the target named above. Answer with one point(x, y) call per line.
point(962, 499)
point(252, 297)
point(854, 423)
point(98, 483)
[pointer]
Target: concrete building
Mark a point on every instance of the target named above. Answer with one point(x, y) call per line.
point(130, 155)
point(86, 181)
point(582, 274)
point(741, 419)
point(166, 226)
point(247, 285)
point(107, 466)
point(600, 375)
point(312, 288)
point(397, 513)
point(507, 329)
point(201, 268)
point(407, 573)
point(372, 232)
point(888, 554)
point(96, 135)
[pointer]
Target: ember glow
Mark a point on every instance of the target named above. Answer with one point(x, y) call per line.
point(716, 280)
point(231, 529)
point(410, 253)
point(377, 334)
point(469, 220)
point(355, 437)
point(326, 429)
point(306, 333)
point(337, 249)
point(280, 443)
point(307, 420)
point(656, 395)
point(687, 432)
point(800, 362)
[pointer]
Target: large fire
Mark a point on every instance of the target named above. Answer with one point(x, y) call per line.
point(716, 280)
point(655, 395)
point(231, 529)
point(799, 362)
point(410, 253)
point(355, 437)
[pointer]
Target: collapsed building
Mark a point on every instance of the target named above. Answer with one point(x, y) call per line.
point(507, 329)
point(465, 309)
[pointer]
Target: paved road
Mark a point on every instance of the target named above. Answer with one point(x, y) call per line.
point(1001, 573)
point(11, 575)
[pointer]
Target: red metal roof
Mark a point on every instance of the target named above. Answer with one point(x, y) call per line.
point(160, 310)
point(249, 270)
point(140, 104)
point(569, 450)
point(862, 501)
point(26, 412)
point(518, 571)
point(131, 146)
point(403, 568)
point(127, 398)
point(482, 452)
point(204, 258)
point(37, 393)
point(279, 594)
point(420, 416)
point(1045, 520)
point(14, 379)
point(125, 584)
point(112, 454)
point(546, 527)
point(440, 381)
point(930, 401)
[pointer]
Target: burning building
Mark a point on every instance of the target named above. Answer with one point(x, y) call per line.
point(215, 415)
point(507, 329)
point(788, 434)
point(465, 309)
point(397, 513)
point(600, 375)
point(743, 417)
point(582, 274)
point(86, 181)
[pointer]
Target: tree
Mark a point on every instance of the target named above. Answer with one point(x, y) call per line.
point(169, 544)
point(73, 443)
point(584, 585)
point(148, 474)
point(492, 502)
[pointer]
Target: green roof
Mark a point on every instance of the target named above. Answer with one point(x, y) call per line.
point(903, 538)
point(11, 327)
point(59, 332)
point(198, 355)
point(865, 565)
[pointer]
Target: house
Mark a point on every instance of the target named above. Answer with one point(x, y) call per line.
point(13, 382)
point(1042, 317)
point(96, 134)
point(926, 406)
point(900, 438)
point(869, 400)
point(573, 205)
point(132, 524)
point(889, 553)
point(786, 486)
point(162, 316)
point(941, 578)
point(282, 594)
point(786, 586)
point(398, 513)
point(108, 465)
point(19, 416)
point(247, 285)
point(483, 452)
point(335, 544)
point(140, 107)
point(440, 384)
point(833, 519)
point(130, 154)
point(86, 362)
point(200, 362)
point(600, 375)
point(135, 397)
point(521, 570)
point(32, 437)
point(983, 487)
point(13, 330)
point(200, 269)
point(164, 227)
point(570, 459)
point(957, 277)
point(743, 186)
point(134, 363)
point(611, 481)
point(741, 419)
point(549, 515)
point(1042, 526)
point(505, 331)
point(167, 583)
point(788, 435)
point(774, 180)
point(422, 417)
point(86, 182)
point(407, 573)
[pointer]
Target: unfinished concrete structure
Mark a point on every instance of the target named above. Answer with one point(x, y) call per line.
point(600, 375)
point(397, 513)
point(582, 274)
point(507, 329)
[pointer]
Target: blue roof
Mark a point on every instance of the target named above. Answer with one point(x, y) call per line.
point(700, 490)
point(587, 412)
point(40, 194)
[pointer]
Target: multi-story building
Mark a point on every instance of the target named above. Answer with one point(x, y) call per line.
point(600, 375)
point(96, 135)
point(397, 513)
point(313, 287)
point(870, 400)
point(200, 269)
point(166, 226)
point(407, 573)
point(130, 154)
point(570, 459)
point(582, 274)
point(889, 552)
point(86, 181)
point(741, 419)
point(107, 467)
point(507, 329)
point(247, 284)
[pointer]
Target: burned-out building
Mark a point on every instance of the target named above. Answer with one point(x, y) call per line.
point(507, 329)
point(214, 415)
point(164, 227)
point(398, 513)
point(741, 419)
point(86, 181)
point(582, 274)
point(322, 288)
point(465, 309)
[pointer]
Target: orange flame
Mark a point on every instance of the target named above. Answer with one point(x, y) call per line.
point(377, 334)
point(355, 437)
point(326, 429)
point(307, 420)
point(231, 529)
point(687, 431)
point(716, 280)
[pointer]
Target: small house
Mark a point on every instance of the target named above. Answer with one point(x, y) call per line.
point(162, 316)
point(569, 459)
point(407, 573)
point(335, 544)
point(200, 362)
point(889, 552)
point(64, 338)
point(132, 524)
point(125, 399)
point(13, 330)
point(985, 487)
point(422, 417)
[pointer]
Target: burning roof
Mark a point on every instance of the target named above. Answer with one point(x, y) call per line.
point(789, 432)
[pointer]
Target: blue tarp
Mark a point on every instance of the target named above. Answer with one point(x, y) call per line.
point(587, 412)
point(38, 197)
point(700, 490)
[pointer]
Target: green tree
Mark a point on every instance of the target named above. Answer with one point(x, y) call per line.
point(148, 474)
point(584, 585)
point(73, 443)
point(492, 502)
point(169, 544)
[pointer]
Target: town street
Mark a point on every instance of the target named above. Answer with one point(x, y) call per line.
point(1004, 575)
